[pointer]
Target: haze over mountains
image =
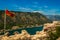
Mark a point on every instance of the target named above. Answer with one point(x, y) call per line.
point(53, 17)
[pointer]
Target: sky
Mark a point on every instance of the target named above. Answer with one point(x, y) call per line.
point(47, 7)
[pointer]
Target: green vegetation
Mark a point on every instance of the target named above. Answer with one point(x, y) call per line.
point(23, 19)
point(54, 35)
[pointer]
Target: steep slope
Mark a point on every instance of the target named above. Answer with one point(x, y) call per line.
point(23, 19)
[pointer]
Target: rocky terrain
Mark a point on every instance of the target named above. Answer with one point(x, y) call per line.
point(51, 32)
point(23, 19)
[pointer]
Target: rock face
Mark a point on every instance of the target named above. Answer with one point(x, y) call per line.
point(40, 35)
point(23, 19)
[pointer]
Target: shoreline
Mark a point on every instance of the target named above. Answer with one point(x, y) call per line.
point(21, 28)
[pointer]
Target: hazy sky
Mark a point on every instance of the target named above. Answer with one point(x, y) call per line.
point(43, 6)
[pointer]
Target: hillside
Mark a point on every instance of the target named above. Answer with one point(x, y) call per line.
point(53, 17)
point(23, 19)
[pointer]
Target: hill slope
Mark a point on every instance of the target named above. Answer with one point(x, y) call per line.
point(54, 17)
point(23, 19)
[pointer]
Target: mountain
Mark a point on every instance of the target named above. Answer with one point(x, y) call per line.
point(53, 17)
point(23, 19)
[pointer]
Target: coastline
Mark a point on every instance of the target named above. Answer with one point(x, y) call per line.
point(9, 30)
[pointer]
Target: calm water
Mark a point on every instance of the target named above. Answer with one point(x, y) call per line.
point(29, 30)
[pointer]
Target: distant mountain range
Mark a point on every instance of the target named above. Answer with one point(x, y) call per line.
point(53, 17)
point(23, 19)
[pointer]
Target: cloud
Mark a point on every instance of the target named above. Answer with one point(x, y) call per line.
point(52, 12)
point(45, 6)
point(40, 10)
point(49, 12)
point(25, 9)
point(20, 8)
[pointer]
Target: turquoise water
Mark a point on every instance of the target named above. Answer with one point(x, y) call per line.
point(31, 31)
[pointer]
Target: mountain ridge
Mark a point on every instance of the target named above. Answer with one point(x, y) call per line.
point(23, 19)
point(53, 17)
